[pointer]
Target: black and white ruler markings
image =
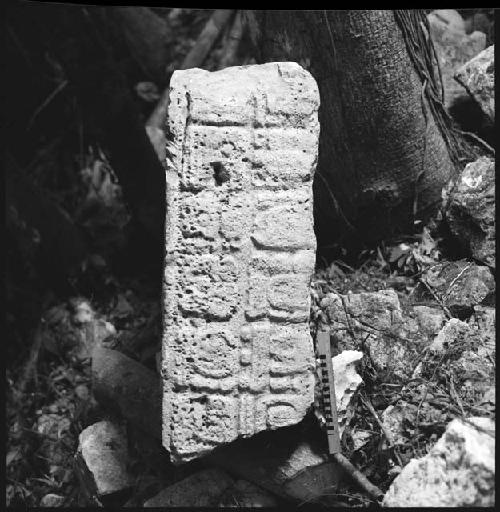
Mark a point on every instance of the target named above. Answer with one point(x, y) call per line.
point(329, 403)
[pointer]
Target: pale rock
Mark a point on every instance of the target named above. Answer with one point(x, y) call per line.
point(460, 285)
point(360, 438)
point(237, 355)
point(471, 209)
point(373, 322)
point(478, 77)
point(83, 311)
point(52, 500)
point(346, 381)
point(459, 471)
point(449, 334)
point(394, 417)
point(448, 17)
point(103, 448)
point(453, 48)
point(430, 320)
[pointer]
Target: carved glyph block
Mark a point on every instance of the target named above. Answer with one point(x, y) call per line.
point(240, 248)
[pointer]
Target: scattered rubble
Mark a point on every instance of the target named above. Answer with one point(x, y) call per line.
point(373, 322)
point(449, 18)
point(454, 48)
point(471, 209)
point(52, 500)
point(203, 489)
point(103, 449)
point(449, 334)
point(478, 77)
point(459, 470)
point(456, 376)
point(429, 319)
point(238, 357)
point(458, 286)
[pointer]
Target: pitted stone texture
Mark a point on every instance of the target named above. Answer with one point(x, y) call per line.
point(453, 49)
point(459, 471)
point(478, 77)
point(237, 353)
point(471, 209)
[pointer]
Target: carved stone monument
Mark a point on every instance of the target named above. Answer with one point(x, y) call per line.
point(238, 357)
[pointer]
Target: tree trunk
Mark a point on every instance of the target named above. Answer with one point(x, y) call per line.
point(382, 159)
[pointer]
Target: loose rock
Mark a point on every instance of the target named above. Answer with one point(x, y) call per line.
point(454, 48)
point(478, 77)
point(103, 447)
point(429, 319)
point(373, 322)
point(52, 500)
point(471, 209)
point(459, 285)
point(346, 381)
point(459, 471)
point(450, 18)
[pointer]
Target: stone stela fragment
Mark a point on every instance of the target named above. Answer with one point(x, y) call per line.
point(237, 356)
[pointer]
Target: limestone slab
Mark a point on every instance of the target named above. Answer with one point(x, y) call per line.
point(240, 251)
point(459, 471)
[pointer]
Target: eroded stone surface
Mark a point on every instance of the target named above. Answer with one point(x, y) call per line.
point(237, 353)
point(460, 285)
point(459, 471)
point(478, 77)
point(103, 447)
point(471, 209)
point(453, 48)
point(373, 322)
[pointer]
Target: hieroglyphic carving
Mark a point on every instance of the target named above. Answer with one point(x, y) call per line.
point(240, 248)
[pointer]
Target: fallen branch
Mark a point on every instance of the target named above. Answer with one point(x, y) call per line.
point(195, 58)
point(385, 430)
point(372, 490)
point(233, 42)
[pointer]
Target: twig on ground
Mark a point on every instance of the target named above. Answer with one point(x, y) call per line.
point(372, 490)
point(438, 364)
point(456, 278)
point(29, 370)
point(437, 299)
point(385, 430)
point(44, 104)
